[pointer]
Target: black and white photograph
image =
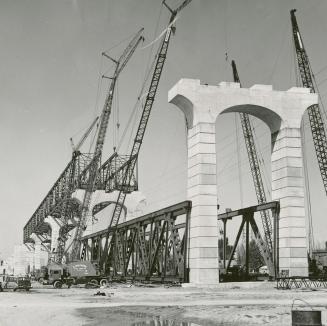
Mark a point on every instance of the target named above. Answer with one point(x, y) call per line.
point(164, 162)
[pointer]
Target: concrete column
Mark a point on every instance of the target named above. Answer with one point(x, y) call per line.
point(55, 229)
point(202, 191)
point(288, 187)
point(37, 251)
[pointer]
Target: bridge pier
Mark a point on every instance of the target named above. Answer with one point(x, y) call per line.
point(202, 191)
point(37, 251)
point(55, 225)
point(288, 188)
point(282, 111)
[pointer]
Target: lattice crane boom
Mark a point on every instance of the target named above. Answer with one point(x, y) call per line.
point(160, 61)
point(104, 119)
point(314, 112)
point(82, 140)
point(70, 188)
point(257, 180)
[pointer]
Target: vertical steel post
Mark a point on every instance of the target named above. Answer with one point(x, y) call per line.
point(186, 246)
point(276, 240)
point(247, 244)
point(224, 243)
point(166, 247)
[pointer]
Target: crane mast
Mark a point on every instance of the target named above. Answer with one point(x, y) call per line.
point(257, 180)
point(314, 112)
point(104, 119)
point(160, 61)
point(64, 229)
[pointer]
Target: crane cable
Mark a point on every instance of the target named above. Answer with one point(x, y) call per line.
point(136, 108)
point(274, 67)
point(148, 68)
point(225, 22)
point(151, 50)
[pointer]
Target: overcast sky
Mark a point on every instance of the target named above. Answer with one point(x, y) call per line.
point(50, 64)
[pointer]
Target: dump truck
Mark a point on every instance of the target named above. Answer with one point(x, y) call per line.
point(77, 272)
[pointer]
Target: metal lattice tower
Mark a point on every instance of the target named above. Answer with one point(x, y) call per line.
point(257, 180)
point(314, 112)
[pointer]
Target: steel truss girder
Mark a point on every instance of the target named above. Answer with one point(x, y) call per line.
point(247, 220)
point(151, 247)
point(295, 282)
point(56, 199)
point(112, 172)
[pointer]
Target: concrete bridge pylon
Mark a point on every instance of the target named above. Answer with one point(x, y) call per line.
point(55, 225)
point(282, 111)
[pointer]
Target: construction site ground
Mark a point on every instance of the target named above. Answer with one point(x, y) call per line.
point(139, 304)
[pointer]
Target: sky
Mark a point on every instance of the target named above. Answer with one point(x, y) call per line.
point(51, 90)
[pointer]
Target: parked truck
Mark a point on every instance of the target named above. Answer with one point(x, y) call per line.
point(77, 272)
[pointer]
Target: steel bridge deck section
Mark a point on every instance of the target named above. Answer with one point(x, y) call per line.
point(153, 247)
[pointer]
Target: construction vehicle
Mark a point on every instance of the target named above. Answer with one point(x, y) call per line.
point(73, 273)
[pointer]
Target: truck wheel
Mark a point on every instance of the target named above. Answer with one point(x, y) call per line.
point(103, 282)
point(94, 281)
point(57, 285)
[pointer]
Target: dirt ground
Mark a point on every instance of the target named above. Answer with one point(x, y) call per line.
point(232, 304)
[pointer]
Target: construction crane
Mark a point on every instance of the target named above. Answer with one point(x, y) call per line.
point(64, 216)
point(82, 140)
point(104, 119)
point(315, 115)
point(160, 61)
point(267, 247)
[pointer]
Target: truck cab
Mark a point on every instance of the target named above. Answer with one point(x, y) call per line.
point(55, 275)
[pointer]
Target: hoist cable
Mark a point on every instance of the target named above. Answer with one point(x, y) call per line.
point(137, 105)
